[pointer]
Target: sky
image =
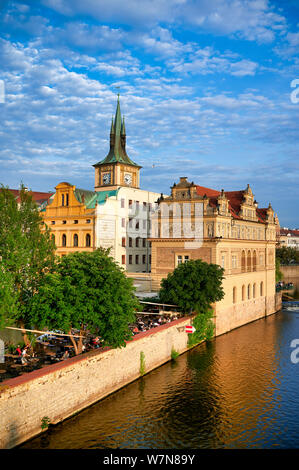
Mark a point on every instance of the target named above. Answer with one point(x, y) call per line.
point(209, 90)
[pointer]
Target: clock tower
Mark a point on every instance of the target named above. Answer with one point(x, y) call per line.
point(117, 169)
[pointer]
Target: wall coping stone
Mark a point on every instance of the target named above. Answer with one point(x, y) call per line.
point(35, 374)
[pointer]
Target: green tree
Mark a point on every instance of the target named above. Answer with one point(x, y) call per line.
point(87, 291)
point(8, 298)
point(287, 255)
point(278, 273)
point(26, 252)
point(194, 286)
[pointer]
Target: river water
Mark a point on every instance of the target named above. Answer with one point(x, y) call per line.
point(238, 391)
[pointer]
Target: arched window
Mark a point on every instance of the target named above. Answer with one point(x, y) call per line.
point(75, 240)
point(234, 295)
point(243, 292)
point(243, 262)
point(248, 291)
point(254, 290)
point(62, 200)
point(64, 239)
point(87, 240)
point(254, 261)
point(248, 261)
point(262, 288)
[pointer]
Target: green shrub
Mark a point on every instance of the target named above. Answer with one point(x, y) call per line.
point(142, 363)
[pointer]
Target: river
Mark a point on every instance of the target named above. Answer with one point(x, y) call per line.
point(238, 391)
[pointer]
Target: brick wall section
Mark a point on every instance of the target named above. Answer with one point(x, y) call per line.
point(60, 390)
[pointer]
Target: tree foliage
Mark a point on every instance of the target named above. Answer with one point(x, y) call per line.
point(8, 298)
point(287, 255)
point(26, 251)
point(87, 291)
point(278, 272)
point(193, 286)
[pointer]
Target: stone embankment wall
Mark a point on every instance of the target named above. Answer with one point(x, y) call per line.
point(291, 274)
point(60, 390)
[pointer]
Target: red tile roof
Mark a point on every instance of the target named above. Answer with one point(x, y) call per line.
point(235, 200)
point(38, 197)
point(286, 231)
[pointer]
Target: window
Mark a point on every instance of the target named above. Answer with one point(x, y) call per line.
point(130, 202)
point(75, 240)
point(143, 259)
point(123, 223)
point(88, 221)
point(67, 200)
point(130, 259)
point(243, 262)
point(254, 290)
point(130, 242)
point(234, 295)
point(64, 240)
point(243, 292)
point(62, 200)
point(122, 203)
point(137, 242)
point(87, 240)
point(144, 242)
point(75, 221)
point(262, 288)
point(64, 222)
point(248, 291)
point(123, 259)
point(137, 224)
point(144, 206)
point(137, 206)
point(254, 261)
point(123, 241)
point(53, 222)
point(248, 261)
point(182, 259)
point(234, 261)
point(130, 223)
point(223, 261)
point(137, 259)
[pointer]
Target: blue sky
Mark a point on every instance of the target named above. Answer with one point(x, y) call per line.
point(205, 87)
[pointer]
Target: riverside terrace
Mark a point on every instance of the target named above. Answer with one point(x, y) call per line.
point(53, 349)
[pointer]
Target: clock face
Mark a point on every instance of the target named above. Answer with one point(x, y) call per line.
point(128, 178)
point(106, 178)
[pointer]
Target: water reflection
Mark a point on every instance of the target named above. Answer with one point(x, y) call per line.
point(238, 391)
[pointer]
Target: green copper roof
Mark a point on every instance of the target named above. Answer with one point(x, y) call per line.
point(91, 198)
point(117, 152)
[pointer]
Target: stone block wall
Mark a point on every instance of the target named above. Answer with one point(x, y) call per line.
point(60, 390)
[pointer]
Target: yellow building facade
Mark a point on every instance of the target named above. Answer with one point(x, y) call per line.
point(224, 228)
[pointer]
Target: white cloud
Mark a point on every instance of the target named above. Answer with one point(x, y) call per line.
point(249, 19)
